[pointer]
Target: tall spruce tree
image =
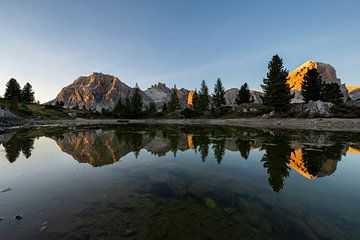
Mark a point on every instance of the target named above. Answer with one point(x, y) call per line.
point(311, 85)
point(127, 108)
point(243, 95)
point(174, 103)
point(331, 93)
point(27, 94)
point(119, 108)
point(276, 89)
point(136, 102)
point(218, 97)
point(203, 97)
point(13, 90)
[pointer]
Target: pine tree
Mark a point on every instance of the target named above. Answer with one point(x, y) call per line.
point(203, 97)
point(312, 85)
point(136, 102)
point(243, 95)
point(218, 98)
point(127, 108)
point(164, 108)
point(174, 103)
point(27, 94)
point(13, 90)
point(331, 93)
point(276, 89)
point(119, 107)
point(152, 108)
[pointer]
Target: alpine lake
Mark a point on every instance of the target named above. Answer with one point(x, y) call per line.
point(178, 182)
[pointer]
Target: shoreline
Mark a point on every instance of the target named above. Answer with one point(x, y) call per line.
point(317, 124)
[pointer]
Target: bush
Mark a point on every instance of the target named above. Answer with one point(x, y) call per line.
point(189, 113)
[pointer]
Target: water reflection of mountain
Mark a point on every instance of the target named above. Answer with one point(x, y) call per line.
point(312, 154)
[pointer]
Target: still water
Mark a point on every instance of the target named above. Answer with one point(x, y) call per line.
point(179, 182)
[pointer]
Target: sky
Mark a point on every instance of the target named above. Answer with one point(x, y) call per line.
point(50, 43)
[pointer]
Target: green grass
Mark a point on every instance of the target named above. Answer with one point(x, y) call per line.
point(33, 110)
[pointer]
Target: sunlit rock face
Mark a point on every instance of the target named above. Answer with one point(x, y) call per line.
point(94, 92)
point(354, 92)
point(327, 72)
point(190, 98)
point(232, 93)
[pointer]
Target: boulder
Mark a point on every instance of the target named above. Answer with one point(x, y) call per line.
point(318, 108)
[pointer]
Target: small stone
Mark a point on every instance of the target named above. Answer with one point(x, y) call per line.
point(4, 190)
point(210, 203)
point(129, 232)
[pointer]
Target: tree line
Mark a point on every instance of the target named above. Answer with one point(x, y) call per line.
point(13, 92)
point(277, 94)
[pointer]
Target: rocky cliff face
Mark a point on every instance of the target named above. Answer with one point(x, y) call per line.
point(231, 95)
point(160, 94)
point(93, 92)
point(327, 72)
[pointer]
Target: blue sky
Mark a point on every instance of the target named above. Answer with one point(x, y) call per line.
point(50, 43)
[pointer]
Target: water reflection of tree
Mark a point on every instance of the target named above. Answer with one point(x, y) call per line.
point(275, 160)
point(315, 157)
point(202, 141)
point(244, 148)
point(18, 143)
point(219, 149)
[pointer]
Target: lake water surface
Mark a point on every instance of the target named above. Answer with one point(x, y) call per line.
point(179, 182)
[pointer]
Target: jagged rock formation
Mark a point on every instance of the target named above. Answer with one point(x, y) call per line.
point(160, 94)
point(327, 72)
point(94, 92)
point(232, 93)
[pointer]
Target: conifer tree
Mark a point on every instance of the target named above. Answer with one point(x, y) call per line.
point(312, 85)
point(127, 108)
point(119, 107)
point(136, 102)
point(174, 103)
point(152, 107)
point(27, 94)
point(243, 95)
point(218, 97)
point(203, 97)
point(276, 89)
point(164, 108)
point(331, 93)
point(13, 90)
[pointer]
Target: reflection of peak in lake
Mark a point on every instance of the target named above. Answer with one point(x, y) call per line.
point(353, 150)
point(298, 163)
point(97, 148)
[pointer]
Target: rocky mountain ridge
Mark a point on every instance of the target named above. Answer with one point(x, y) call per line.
point(328, 75)
point(102, 91)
